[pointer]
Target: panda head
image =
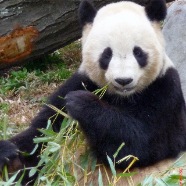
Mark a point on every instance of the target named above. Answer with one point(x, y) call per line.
point(122, 45)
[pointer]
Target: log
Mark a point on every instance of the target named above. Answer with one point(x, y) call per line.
point(33, 28)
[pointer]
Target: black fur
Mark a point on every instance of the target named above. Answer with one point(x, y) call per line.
point(156, 10)
point(7, 151)
point(87, 12)
point(105, 58)
point(140, 56)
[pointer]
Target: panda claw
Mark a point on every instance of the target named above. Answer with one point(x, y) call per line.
point(9, 154)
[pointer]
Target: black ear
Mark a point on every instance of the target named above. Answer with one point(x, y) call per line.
point(87, 12)
point(156, 10)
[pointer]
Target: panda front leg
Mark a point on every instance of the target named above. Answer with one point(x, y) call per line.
point(106, 128)
point(10, 150)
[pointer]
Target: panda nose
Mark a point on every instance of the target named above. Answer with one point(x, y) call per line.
point(124, 81)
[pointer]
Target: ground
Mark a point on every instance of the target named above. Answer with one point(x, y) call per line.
point(25, 89)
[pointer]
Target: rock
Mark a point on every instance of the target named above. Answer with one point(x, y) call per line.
point(174, 31)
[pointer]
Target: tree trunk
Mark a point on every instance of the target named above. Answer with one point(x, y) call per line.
point(32, 28)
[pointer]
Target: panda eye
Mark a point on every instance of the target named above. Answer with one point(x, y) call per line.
point(105, 58)
point(137, 52)
point(140, 56)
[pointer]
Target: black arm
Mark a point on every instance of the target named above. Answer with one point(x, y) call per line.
point(24, 140)
point(40, 121)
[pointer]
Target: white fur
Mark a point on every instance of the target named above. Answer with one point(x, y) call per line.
point(122, 26)
point(167, 64)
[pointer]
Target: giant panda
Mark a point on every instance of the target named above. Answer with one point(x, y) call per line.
point(123, 48)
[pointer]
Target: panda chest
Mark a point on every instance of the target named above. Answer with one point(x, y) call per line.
point(133, 107)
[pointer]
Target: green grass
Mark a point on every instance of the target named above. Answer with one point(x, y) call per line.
point(30, 85)
point(54, 68)
point(29, 76)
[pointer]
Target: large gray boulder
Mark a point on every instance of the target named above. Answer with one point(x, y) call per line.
point(174, 31)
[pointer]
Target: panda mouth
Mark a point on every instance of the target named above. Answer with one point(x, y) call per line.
point(124, 89)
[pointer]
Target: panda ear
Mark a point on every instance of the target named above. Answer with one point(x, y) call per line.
point(87, 12)
point(156, 10)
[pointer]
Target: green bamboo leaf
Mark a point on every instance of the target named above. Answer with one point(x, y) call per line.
point(65, 180)
point(5, 173)
point(84, 160)
point(47, 132)
point(160, 182)
point(43, 139)
point(120, 147)
point(93, 164)
point(147, 181)
point(49, 125)
point(12, 179)
point(177, 177)
point(111, 166)
point(20, 179)
point(32, 171)
point(53, 147)
point(100, 179)
point(64, 123)
point(34, 150)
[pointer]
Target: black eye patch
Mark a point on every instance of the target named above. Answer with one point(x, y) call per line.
point(105, 58)
point(140, 56)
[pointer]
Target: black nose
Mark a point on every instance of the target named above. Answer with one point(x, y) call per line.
point(124, 81)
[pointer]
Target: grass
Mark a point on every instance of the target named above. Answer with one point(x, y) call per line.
point(28, 78)
point(24, 89)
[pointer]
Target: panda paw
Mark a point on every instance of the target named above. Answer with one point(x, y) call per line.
point(78, 103)
point(9, 155)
